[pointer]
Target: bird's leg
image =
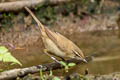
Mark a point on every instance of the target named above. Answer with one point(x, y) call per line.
point(62, 59)
point(53, 58)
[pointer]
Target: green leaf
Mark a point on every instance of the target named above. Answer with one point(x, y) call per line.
point(56, 78)
point(84, 1)
point(4, 15)
point(12, 64)
point(6, 56)
point(3, 49)
point(41, 74)
point(9, 58)
point(63, 63)
point(71, 64)
point(36, 8)
point(51, 73)
point(1, 70)
point(1, 57)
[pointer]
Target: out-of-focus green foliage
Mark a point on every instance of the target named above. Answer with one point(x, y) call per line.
point(7, 19)
point(6, 57)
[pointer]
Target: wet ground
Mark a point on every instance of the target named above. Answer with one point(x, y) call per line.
point(106, 45)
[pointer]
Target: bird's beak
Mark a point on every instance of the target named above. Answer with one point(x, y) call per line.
point(85, 60)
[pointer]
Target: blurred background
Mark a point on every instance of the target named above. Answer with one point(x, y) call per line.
point(93, 25)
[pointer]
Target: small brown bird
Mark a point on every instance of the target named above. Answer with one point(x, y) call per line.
point(57, 44)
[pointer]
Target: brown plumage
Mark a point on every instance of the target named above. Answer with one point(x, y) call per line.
point(57, 44)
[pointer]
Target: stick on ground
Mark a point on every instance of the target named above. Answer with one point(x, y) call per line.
point(11, 74)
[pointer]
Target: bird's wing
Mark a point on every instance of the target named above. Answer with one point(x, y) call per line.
point(72, 47)
point(51, 35)
point(61, 42)
point(64, 44)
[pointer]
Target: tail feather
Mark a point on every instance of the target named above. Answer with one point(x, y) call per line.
point(38, 22)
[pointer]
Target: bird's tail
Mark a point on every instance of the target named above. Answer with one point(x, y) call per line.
point(42, 29)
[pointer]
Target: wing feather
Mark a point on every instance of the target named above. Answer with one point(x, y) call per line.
point(64, 44)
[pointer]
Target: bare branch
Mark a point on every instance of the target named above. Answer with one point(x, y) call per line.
point(17, 5)
point(34, 69)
